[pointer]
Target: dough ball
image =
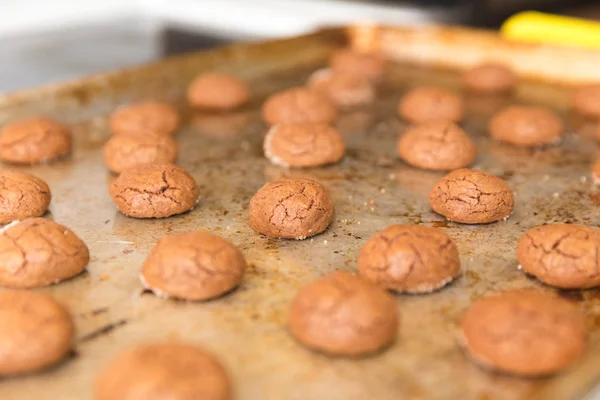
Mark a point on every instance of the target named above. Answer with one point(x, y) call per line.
point(148, 118)
point(430, 103)
point(526, 126)
point(367, 65)
point(122, 151)
point(586, 100)
point(342, 88)
point(22, 196)
point(490, 78)
point(218, 91)
point(298, 105)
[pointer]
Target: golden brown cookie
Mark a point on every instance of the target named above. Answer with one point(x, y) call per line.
point(163, 371)
point(148, 118)
point(526, 126)
point(123, 151)
point(218, 91)
point(22, 196)
point(35, 332)
point(596, 172)
point(154, 191)
point(303, 145)
point(409, 258)
point(298, 105)
point(342, 88)
point(37, 252)
point(562, 255)
point(524, 332)
point(193, 266)
point(343, 315)
point(291, 209)
point(472, 197)
point(586, 100)
point(490, 78)
point(430, 103)
point(34, 140)
point(368, 65)
point(438, 146)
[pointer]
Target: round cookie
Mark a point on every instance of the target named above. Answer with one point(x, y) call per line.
point(303, 145)
point(298, 105)
point(490, 78)
point(193, 266)
point(343, 315)
point(430, 103)
point(562, 255)
point(38, 252)
point(409, 258)
point(586, 100)
point(596, 172)
point(472, 197)
point(218, 91)
point(526, 126)
point(35, 332)
point(163, 371)
point(367, 65)
point(291, 209)
point(154, 191)
point(437, 146)
point(148, 118)
point(524, 332)
point(123, 151)
point(34, 140)
point(22, 196)
point(342, 88)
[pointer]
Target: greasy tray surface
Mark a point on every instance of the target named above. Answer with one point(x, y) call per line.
point(371, 188)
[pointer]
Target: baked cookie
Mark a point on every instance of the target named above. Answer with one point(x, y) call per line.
point(342, 88)
point(430, 103)
point(218, 91)
point(490, 78)
point(298, 105)
point(586, 100)
point(123, 151)
point(367, 65)
point(526, 126)
point(147, 118)
point(22, 196)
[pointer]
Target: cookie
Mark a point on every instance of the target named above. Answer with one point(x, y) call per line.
point(35, 332)
point(490, 78)
point(218, 91)
point(303, 145)
point(298, 105)
point(409, 258)
point(527, 126)
point(586, 100)
point(430, 103)
point(193, 266)
point(472, 197)
point(163, 371)
point(524, 332)
point(367, 65)
point(596, 172)
point(437, 146)
point(562, 255)
point(148, 118)
point(22, 196)
point(291, 209)
point(342, 88)
point(154, 191)
point(34, 140)
point(123, 151)
point(343, 315)
point(37, 252)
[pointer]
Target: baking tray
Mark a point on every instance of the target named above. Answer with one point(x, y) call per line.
point(247, 329)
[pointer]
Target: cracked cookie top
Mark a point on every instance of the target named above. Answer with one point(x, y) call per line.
point(472, 197)
point(193, 266)
point(430, 103)
point(409, 258)
point(34, 140)
point(562, 255)
point(524, 332)
point(122, 151)
point(291, 209)
point(35, 331)
point(154, 191)
point(438, 146)
point(218, 91)
point(489, 78)
point(148, 118)
point(38, 252)
point(22, 196)
point(342, 88)
point(526, 126)
point(367, 65)
point(341, 314)
point(303, 145)
point(298, 104)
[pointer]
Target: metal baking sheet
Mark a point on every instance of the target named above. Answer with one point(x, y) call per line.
point(372, 189)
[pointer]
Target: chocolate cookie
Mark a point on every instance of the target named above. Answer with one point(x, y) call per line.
point(34, 140)
point(438, 146)
point(342, 88)
point(298, 105)
point(154, 191)
point(562, 255)
point(303, 145)
point(123, 151)
point(37, 252)
point(35, 332)
point(490, 78)
point(343, 315)
point(149, 118)
point(22, 196)
point(218, 91)
point(526, 126)
point(430, 103)
point(193, 266)
point(163, 371)
point(523, 332)
point(366, 65)
point(472, 197)
point(291, 209)
point(586, 100)
point(409, 258)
